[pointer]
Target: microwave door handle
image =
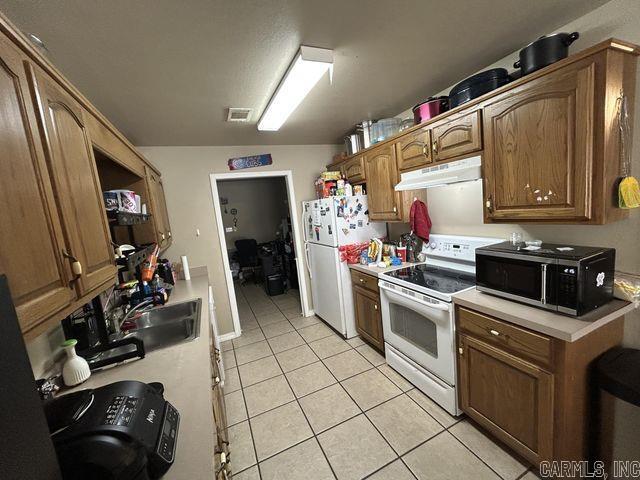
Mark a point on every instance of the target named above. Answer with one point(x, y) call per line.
point(543, 297)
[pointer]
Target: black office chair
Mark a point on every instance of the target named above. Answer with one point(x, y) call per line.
point(248, 258)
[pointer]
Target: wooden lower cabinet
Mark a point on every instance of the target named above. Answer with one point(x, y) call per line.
point(510, 397)
point(529, 391)
point(366, 304)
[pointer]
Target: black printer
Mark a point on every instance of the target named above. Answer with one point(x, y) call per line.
point(121, 431)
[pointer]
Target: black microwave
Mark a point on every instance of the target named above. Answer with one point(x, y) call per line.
point(568, 279)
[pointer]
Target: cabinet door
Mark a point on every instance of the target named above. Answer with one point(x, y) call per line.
point(368, 317)
point(457, 136)
point(219, 413)
point(165, 213)
point(354, 170)
point(539, 148)
point(510, 397)
point(75, 180)
point(414, 150)
point(381, 170)
point(31, 240)
point(158, 216)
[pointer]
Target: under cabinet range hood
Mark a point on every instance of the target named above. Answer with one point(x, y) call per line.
point(445, 174)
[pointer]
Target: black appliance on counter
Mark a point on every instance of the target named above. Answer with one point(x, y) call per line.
point(26, 450)
point(568, 279)
point(121, 431)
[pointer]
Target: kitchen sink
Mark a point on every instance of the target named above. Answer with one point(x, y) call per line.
point(165, 326)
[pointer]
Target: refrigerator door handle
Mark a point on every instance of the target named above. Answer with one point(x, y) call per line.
point(306, 257)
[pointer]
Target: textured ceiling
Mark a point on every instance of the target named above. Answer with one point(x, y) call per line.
point(164, 71)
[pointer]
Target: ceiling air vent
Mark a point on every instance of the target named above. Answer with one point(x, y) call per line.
point(239, 115)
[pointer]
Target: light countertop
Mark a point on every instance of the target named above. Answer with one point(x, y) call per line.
point(185, 371)
point(376, 271)
point(546, 322)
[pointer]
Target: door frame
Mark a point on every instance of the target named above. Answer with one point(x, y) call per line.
point(297, 239)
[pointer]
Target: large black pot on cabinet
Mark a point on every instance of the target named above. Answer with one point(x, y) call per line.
point(545, 51)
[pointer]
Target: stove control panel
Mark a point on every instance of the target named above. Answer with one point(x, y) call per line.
point(456, 247)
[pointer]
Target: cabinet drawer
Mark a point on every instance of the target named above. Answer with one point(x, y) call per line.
point(365, 281)
point(354, 170)
point(522, 342)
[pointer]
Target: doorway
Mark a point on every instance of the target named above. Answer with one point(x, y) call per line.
point(241, 206)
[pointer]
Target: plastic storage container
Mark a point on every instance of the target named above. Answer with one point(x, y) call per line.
point(385, 128)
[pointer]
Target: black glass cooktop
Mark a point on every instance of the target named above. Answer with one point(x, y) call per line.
point(439, 279)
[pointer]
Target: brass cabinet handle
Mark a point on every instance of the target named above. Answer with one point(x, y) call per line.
point(76, 266)
point(169, 233)
point(495, 333)
point(460, 350)
point(162, 235)
point(424, 150)
point(434, 146)
point(395, 209)
point(362, 280)
point(375, 306)
point(489, 204)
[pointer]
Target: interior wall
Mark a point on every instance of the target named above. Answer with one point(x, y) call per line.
point(261, 204)
point(457, 209)
point(185, 176)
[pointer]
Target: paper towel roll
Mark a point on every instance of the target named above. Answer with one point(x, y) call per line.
point(185, 267)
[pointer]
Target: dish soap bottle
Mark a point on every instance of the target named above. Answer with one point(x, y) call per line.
point(76, 369)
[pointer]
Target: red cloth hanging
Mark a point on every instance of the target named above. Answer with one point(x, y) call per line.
point(420, 221)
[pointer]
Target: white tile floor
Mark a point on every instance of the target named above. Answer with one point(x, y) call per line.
point(303, 403)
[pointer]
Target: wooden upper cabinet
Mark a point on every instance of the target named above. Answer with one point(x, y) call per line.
point(539, 148)
point(31, 235)
point(165, 212)
point(381, 170)
point(158, 208)
point(414, 150)
point(353, 170)
point(508, 396)
point(460, 135)
point(74, 176)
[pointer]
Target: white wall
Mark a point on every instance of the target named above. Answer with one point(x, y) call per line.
point(261, 204)
point(457, 209)
point(185, 176)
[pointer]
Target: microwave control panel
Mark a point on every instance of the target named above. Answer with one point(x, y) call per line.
point(567, 279)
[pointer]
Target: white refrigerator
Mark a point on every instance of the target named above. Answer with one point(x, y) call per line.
point(328, 224)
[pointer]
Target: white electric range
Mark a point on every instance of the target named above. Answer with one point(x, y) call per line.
point(417, 315)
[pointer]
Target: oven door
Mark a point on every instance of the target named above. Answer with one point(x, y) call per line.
point(421, 328)
point(524, 278)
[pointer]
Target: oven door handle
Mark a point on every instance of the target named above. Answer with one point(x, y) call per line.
point(436, 306)
point(543, 289)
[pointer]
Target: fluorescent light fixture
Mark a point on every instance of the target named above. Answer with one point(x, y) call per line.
point(304, 72)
